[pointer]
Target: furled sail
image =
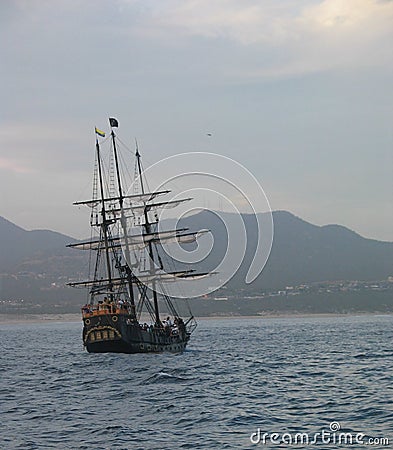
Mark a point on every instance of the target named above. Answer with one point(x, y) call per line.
point(144, 278)
point(135, 197)
point(115, 213)
point(141, 240)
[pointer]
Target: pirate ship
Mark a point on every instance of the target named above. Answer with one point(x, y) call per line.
point(127, 308)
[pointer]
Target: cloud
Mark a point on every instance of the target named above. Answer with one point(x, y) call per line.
point(269, 39)
point(305, 36)
point(243, 22)
point(252, 21)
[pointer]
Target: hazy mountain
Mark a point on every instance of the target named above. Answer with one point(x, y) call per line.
point(301, 252)
point(19, 245)
point(36, 264)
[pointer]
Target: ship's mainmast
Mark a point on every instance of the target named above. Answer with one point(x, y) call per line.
point(147, 226)
point(123, 221)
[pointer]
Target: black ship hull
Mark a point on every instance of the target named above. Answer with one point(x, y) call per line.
point(117, 333)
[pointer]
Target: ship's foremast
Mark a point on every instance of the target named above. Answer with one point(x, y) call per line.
point(104, 226)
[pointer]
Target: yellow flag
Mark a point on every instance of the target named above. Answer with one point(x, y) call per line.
point(100, 133)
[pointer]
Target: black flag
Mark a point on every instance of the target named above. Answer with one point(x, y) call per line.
point(113, 122)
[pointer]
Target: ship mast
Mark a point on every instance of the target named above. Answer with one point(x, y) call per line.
point(147, 226)
point(104, 221)
point(114, 123)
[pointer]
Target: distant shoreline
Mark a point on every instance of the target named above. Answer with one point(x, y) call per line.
point(39, 318)
point(73, 317)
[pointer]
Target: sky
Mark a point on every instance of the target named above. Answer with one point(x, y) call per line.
point(299, 92)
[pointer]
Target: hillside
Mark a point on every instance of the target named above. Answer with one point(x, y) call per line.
point(35, 265)
point(301, 252)
point(19, 246)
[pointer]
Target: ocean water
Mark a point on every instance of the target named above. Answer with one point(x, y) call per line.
point(239, 378)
